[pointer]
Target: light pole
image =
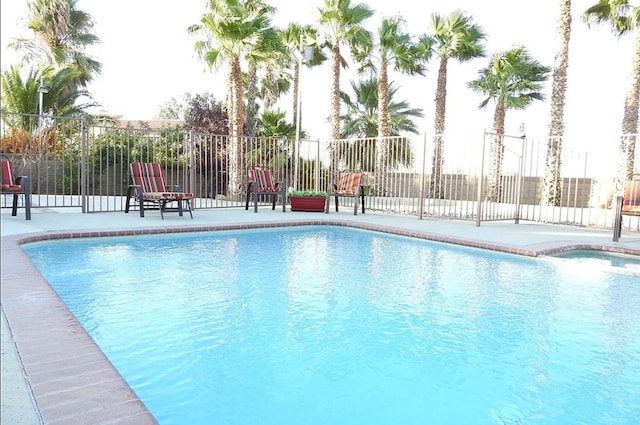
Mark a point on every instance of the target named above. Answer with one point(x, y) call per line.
point(304, 56)
point(42, 90)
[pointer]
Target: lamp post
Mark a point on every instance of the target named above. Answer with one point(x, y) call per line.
point(304, 56)
point(42, 90)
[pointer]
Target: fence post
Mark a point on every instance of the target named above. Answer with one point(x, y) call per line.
point(519, 180)
point(481, 181)
point(84, 196)
point(421, 194)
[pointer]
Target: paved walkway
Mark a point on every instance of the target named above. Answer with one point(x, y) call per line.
point(20, 354)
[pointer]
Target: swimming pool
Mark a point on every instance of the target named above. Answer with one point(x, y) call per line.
point(336, 325)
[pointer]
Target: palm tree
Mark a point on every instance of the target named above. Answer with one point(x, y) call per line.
point(551, 189)
point(266, 53)
point(454, 37)
point(62, 33)
point(231, 29)
point(393, 47)
point(273, 124)
point(20, 94)
point(361, 119)
point(513, 80)
point(623, 19)
point(343, 24)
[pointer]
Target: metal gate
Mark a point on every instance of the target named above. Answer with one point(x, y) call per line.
point(501, 171)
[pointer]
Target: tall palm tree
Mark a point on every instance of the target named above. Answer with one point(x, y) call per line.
point(391, 47)
point(266, 53)
point(623, 18)
point(551, 189)
point(454, 37)
point(343, 23)
point(512, 80)
point(62, 33)
point(361, 120)
point(231, 29)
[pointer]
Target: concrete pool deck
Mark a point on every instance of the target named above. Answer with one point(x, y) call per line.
point(48, 360)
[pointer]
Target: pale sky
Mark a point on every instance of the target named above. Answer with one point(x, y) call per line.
point(148, 58)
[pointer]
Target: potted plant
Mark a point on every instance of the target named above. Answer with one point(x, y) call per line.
point(307, 200)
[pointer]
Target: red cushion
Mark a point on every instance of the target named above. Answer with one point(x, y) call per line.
point(348, 183)
point(263, 179)
point(7, 174)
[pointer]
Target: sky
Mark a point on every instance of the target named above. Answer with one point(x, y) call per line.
point(148, 58)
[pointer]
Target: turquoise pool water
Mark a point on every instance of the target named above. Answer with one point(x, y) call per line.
point(591, 258)
point(330, 325)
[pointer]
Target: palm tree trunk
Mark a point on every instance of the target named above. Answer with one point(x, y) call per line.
point(252, 89)
point(382, 148)
point(630, 122)
point(296, 123)
point(296, 82)
point(335, 105)
point(435, 185)
point(552, 190)
point(236, 142)
point(494, 187)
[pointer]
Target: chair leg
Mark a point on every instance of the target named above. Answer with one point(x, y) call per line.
point(336, 199)
point(362, 198)
point(14, 205)
point(127, 204)
point(355, 202)
point(254, 193)
point(246, 206)
point(26, 183)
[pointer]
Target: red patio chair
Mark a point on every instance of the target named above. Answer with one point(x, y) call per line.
point(19, 186)
point(629, 204)
point(350, 185)
point(262, 182)
point(150, 191)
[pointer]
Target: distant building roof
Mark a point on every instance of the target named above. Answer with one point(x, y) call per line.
point(149, 124)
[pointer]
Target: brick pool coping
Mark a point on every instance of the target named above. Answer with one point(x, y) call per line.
point(71, 379)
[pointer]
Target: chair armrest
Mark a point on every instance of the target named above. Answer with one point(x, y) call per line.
point(25, 182)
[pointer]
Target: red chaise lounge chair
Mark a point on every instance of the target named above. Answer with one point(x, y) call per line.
point(17, 187)
point(151, 192)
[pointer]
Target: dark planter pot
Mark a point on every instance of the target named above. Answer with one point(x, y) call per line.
point(307, 203)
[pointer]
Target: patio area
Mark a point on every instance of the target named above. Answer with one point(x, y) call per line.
point(47, 356)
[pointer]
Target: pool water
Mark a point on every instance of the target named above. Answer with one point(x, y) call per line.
point(601, 259)
point(331, 325)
